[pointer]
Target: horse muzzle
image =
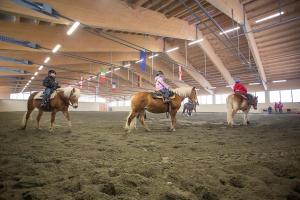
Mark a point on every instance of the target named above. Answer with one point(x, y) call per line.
point(75, 105)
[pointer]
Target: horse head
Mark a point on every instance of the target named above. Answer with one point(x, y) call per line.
point(74, 96)
point(255, 101)
point(193, 96)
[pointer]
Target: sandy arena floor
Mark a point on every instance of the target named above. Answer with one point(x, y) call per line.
point(203, 160)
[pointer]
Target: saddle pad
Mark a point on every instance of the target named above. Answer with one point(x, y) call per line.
point(156, 95)
point(39, 95)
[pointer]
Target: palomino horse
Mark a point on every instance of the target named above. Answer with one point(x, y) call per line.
point(236, 102)
point(142, 101)
point(60, 101)
point(189, 108)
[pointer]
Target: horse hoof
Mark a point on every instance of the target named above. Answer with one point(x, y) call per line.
point(51, 130)
point(248, 122)
point(147, 130)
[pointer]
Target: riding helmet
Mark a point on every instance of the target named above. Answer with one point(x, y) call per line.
point(51, 71)
point(237, 81)
point(159, 73)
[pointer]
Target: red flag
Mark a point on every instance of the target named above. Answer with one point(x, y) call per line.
point(102, 78)
point(179, 73)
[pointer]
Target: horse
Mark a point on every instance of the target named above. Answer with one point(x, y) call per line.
point(142, 101)
point(189, 107)
point(60, 100)
point(236, 102)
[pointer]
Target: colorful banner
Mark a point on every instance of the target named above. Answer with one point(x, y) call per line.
point(143, 58)
point(180, 73)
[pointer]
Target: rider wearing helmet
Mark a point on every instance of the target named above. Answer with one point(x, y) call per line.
point(161, 86)
point(51, 85)
point(240, 88)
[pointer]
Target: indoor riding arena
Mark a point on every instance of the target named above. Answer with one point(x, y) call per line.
point(150, 100)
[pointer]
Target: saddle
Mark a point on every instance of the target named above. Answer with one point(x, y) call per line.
point(159, 95)
point(40, 94)
point(248, 97)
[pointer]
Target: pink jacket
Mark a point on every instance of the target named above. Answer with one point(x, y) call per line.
point(160, 83)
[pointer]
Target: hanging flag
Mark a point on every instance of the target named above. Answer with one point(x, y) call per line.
point(139, 81)
point(102, 78)
point(80, 82)
point(179, 73)
point(113, 86)
point(143, 58)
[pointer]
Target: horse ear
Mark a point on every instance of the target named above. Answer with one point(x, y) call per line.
point(73, 91)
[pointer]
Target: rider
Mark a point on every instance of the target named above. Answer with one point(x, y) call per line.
point(161, 86)
point(239, 88)
point(51, 85)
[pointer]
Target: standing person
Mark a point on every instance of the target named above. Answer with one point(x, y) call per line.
point(276, 107)
point(280, 106)
point(51, 84)
point(270, 109)
point(161, 86)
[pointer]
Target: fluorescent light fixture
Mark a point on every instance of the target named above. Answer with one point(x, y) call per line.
point(32, 77)
point(211, 88)
point(56, 48)
point(117, 69)
point(173, 49)
point(254, 83)
point(155, 55)
point(107, 72)
point(127, 65)
point(41, 67)
point(29, 81)
point(94, 76)
point(36, 73)
point(47, 59)
point(229, 30)
point(279, 81)
point(269, 17)
point(229, 86)
point(89, 79)
point(141, 60)
point(73, 28)
point(196, 41)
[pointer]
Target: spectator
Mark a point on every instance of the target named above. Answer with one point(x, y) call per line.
point(270, 109)
point(280, 106)
point(276, 107)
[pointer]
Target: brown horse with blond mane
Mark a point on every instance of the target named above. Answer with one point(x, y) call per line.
point(142, 101)
point(60, 100)
point(236, 102)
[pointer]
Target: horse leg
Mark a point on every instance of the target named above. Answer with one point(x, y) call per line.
point(67, 116)
point(52, 121)
point(142, 120)
point(131, 116)
point(38, 118)
point(230, 115)
point(173, 120)
point(25, 118)
point(246, 122)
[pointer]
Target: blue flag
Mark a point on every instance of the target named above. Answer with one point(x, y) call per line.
point(143, 59)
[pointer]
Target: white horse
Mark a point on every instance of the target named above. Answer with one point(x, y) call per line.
point(236, 102)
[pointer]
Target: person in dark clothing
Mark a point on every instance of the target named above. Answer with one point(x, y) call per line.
point(51, 85)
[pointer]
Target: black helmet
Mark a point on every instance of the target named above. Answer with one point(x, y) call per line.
point(51, 71)
point(159, 73)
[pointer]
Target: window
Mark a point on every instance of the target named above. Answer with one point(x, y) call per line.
point(296, 95)
point(286, 96)
point(113, 104)
point(274, 96)
point(221, 98)
point(127, 103)
point(100, 99)
point(205, 99)
point(260, 96)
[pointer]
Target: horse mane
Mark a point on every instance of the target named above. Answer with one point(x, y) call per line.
point(183, 91)
point(67, 91)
